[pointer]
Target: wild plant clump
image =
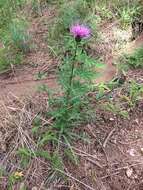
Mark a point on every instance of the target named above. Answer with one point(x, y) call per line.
point(14, 38)
point(136, 59)
point(75, 77)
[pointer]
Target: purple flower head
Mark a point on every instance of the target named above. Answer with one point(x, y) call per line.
point(80, 31)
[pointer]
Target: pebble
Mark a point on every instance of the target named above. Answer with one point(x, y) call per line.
point(129, 172)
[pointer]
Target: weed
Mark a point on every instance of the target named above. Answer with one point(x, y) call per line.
point(19, 35)
point(2, 172)
point(8, 58)
point(127, 15)
point(69, 110)
point(8, 9)
point(134, 94)
point(36, 124)
point(101, 90)
point(75, 77)
point(37, 7)
point(103, 11)
point(14, 178)
point(116, 109)
point(131, 61)
point(136, 59)
point(54, 158)
point(41, 75)
point(13, 34)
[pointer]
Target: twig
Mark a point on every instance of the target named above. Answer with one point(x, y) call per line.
point(81, 151)
point(126, 167)
point(108, 137)
point(75, 179)
point(112, 174)
point(117, 171)
point(95, 136)
point(127, 143)
point(95, 162)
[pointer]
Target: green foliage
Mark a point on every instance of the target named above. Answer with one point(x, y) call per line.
point(37, 7)
point(13, 33)
point(75, 77)
point(70, 152)
point(36, 125)
point(103, 11)
point(134, 94)
point(8, 57)
point(13, 179)
point(127, 15)
point(55, 160)
point(101, 89)
point(31, 154)
point(123, 10)
point(136, 59)
point(8, 9)
point(2, 172)
point(70, 110)
point(19, 35)
point(116, 109)
point(49, 136)
point(41, 75)
point(16, 36)
point(26, 155)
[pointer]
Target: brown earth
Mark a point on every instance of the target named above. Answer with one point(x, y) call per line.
point(110, 154)
point(132, 46)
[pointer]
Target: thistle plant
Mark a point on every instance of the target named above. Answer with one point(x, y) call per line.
point(76, 75)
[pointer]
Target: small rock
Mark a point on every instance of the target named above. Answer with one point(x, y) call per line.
point(22, 186)
point(131, 152)
point(34, 188)
point(135, 176)
point(137, 121)
point(129, 172)
point(142, 150)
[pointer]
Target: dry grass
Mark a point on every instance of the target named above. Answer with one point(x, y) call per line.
point(98, 165)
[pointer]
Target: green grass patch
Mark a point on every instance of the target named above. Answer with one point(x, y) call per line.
point(136, 59)
point(14, 38)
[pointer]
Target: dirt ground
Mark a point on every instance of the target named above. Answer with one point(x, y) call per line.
point(112, 156)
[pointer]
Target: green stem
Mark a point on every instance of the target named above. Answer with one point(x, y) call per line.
point(71, 77)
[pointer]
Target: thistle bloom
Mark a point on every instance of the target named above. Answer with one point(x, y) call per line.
point(80, 31)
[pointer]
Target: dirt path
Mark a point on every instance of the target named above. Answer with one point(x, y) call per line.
point(130, 47)
point(22, 82)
